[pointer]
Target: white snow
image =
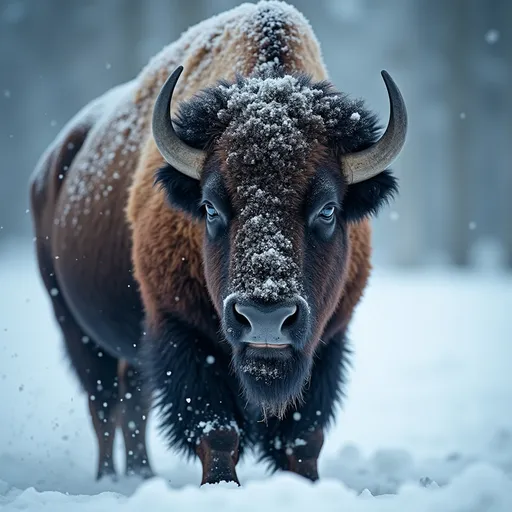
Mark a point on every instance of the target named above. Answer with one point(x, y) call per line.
point(209, 426)
point(426, 427)
point(492, 36)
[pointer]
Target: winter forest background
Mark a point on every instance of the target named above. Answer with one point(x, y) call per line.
point(452, 60)
point(427, 415)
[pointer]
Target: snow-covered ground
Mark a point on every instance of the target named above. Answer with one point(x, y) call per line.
point(427, 425)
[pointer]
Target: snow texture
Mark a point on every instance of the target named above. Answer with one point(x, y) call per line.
point(426, 425)
point(261, 371)
point(122, 137)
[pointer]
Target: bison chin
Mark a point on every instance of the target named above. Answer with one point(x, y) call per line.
point(272, 381)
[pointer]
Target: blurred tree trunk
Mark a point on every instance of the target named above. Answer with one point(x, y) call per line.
point(505, 53)
point(423, 203)
point(459, 108)
point(479, 82)
point(131, 34)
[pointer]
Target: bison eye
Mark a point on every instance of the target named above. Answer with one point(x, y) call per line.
point(210, 211)
point(327, 213)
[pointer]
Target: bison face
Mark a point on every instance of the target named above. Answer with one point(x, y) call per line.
point(274, 258)
point(276, 208)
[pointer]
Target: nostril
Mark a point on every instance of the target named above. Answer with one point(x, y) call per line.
point(240, 317)
point(291, 319)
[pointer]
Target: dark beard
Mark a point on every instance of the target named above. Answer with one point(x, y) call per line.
point(272, 380)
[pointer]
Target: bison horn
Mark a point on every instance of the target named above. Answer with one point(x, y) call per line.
point(369, 162)
point(182, 157)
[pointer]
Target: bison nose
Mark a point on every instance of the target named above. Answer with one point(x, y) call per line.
point(266, 323)
point(271, 325)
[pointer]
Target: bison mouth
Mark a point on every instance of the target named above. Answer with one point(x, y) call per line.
point(269, 343)
point(271, 346)
point(272, 378)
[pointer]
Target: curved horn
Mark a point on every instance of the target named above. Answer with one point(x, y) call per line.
point(369, 162)
point(182, 157)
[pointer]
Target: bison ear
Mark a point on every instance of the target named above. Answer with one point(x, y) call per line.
point(367, 197)
point(182, 192)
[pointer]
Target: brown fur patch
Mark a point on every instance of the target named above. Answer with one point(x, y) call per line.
point(168, 263)
point(358, 273)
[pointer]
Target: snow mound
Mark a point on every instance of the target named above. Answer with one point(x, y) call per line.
point(478, 488)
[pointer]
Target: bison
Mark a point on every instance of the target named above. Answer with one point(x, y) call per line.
point(209, 267)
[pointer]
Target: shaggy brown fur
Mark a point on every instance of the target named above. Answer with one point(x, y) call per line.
point(111, 250)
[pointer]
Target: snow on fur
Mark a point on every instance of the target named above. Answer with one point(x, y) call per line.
point(273, 125)
point(122, 138)
point(261, 23)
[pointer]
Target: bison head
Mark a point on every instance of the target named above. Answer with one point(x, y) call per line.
point(276, 167)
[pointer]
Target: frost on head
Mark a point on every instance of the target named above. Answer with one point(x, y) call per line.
point(264, 264)
point(269, 130)
point(273, 125)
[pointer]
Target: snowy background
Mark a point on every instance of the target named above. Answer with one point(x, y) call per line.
point(427, 423)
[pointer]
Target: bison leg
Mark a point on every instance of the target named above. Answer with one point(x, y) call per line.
point(134, 410)
point(299, 455)
point(103, 415)
point(96, 370)
point(97, 373)
point(294, 443)
point(218, 452)
point(198, 397)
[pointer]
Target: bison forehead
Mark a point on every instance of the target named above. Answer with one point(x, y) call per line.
point(273, 123)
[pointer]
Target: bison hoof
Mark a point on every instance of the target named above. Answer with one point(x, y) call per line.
point(145, 472)
point(105, 473)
